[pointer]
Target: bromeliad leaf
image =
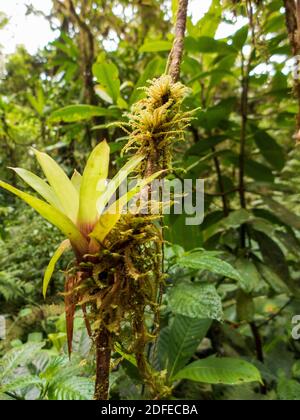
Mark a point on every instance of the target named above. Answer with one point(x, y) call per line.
point(52, 215)
point(40, 186)
point(64, 246)
point(92, 185)
point(113, 214)
point(121, 176)
point(61, 184)
point(76, 180)
point(225, 371)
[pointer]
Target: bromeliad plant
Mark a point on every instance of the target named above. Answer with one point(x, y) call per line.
point(110, 277)
point(77, 206)
point(117, 276)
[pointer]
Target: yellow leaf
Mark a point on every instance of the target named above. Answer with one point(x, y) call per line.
point(105, 224)
point(54, 216)
point(111, 217)
point(40, 186)
point(61, 184)
point(76, 180)
point(95, 172)
point(115, 183)
point(64, 246)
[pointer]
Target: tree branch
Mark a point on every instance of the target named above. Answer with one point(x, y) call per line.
point(242, 157)
point(178, 46)
point(292, 12)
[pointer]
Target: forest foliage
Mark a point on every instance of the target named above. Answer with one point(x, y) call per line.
point(231, 284)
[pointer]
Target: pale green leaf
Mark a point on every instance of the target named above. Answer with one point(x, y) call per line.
point(156, 46)
point(74, 113)
point(52, 215)
point(115, 183)
point(40, 186)
point(76, 180)
point(64, 246)
point(92, 185)
point(113, 214)
point(61, 184)
point(107, 74)
point(225, 371)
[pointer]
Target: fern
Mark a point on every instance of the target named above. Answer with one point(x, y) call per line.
point(11, 287)
point(21, 356)
point(74, 388)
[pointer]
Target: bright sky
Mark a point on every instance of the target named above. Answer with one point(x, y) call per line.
point(31, 31)
point(35, 32)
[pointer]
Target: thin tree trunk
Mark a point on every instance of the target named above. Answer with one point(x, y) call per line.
point(103, 356)
point(292, 9)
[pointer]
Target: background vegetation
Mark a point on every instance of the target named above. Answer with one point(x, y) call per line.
point(62, 99)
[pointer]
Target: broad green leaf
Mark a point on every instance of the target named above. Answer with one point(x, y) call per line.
point(52, 215)
point(92, 185)
point(237, 218)
point(215, 115)
point(209, 45)
point(206, 145)
point(258, 171)
point(76, 180)
point(177, 232)
point(74, 113)
point(269, 148)
point(240, 37)
point(245, 307)
point(103, 94)
point(273, 255)
point(250, 278)
point(204, 260)
point(196, 300)
point(288, 390)
point(115, 183)
point(38, 101)
point(154, 68)
point(284, 214)
point(64, 246)
point(225, 371)
point(107, 75)
point(61, 184)
point(174, 10)
point(184, 337)
point(209, 24)
point(272, 278)
point(40, 186)
point(156, 46)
